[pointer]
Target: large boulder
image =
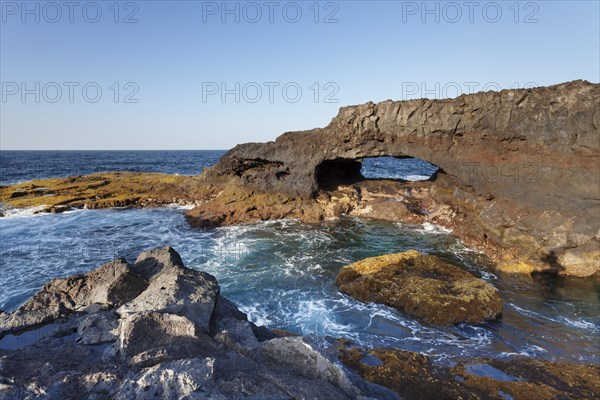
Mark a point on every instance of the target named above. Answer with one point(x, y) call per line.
point(423, 286)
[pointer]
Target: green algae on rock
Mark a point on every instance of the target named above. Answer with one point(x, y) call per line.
point(423, 286)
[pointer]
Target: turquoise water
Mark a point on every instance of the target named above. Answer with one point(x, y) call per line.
point(282, 274)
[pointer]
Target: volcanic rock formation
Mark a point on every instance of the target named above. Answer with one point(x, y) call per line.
point(159, 330)
point(519, 170)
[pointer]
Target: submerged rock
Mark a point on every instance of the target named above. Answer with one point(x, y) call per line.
point(156, 329)
point(414, 376)
point(423, 286)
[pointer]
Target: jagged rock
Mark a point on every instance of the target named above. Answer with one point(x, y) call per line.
point(237, 334)
point(518, 169)
point(225, 309)
point(423, 286)
point(147, 338)
point(174, 288)
point(98, 328)
point(181, 379)
point(110, 285)
point(302, 359)
point(161, 347)
point(160, 260)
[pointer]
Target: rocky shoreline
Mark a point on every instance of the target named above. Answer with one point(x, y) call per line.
point(517, 176)
point(106, 190)
point(156, 329)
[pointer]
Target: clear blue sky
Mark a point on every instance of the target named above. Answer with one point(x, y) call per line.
point(179, 53)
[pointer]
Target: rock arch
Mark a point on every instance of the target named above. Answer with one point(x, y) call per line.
point(520, 165)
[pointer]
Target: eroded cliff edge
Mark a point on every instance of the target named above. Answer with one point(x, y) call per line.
point(519, 171)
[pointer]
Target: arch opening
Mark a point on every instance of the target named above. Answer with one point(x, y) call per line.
point(405, 168)
point(331, 173)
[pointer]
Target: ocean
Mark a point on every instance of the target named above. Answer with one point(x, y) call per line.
point(281, 273)
point(21, 166)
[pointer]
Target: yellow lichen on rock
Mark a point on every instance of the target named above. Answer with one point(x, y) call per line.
point(102, 190)
point(375, 264)
point(414, 376)
point(520, 267)
point(423, 286)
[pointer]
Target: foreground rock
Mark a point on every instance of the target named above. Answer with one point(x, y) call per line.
point(518, 168)
point(423, 286)
point(414, 376)
point(156, 329)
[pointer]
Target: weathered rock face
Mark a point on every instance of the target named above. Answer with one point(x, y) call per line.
point(423, 286)
point(520, 168)
point(159, 330)
point(173, 289)
point(110, 285)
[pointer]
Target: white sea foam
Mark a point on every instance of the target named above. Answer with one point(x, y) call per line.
point(23, 212)
point(415, 177)
point(179, 206)
point(256, 315)
point(581, 324)
point(430, 228)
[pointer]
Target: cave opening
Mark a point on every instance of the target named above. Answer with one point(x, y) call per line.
point(347, 171)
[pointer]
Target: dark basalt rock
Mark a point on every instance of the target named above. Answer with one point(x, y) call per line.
point(519, 168)
point(108, 286)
